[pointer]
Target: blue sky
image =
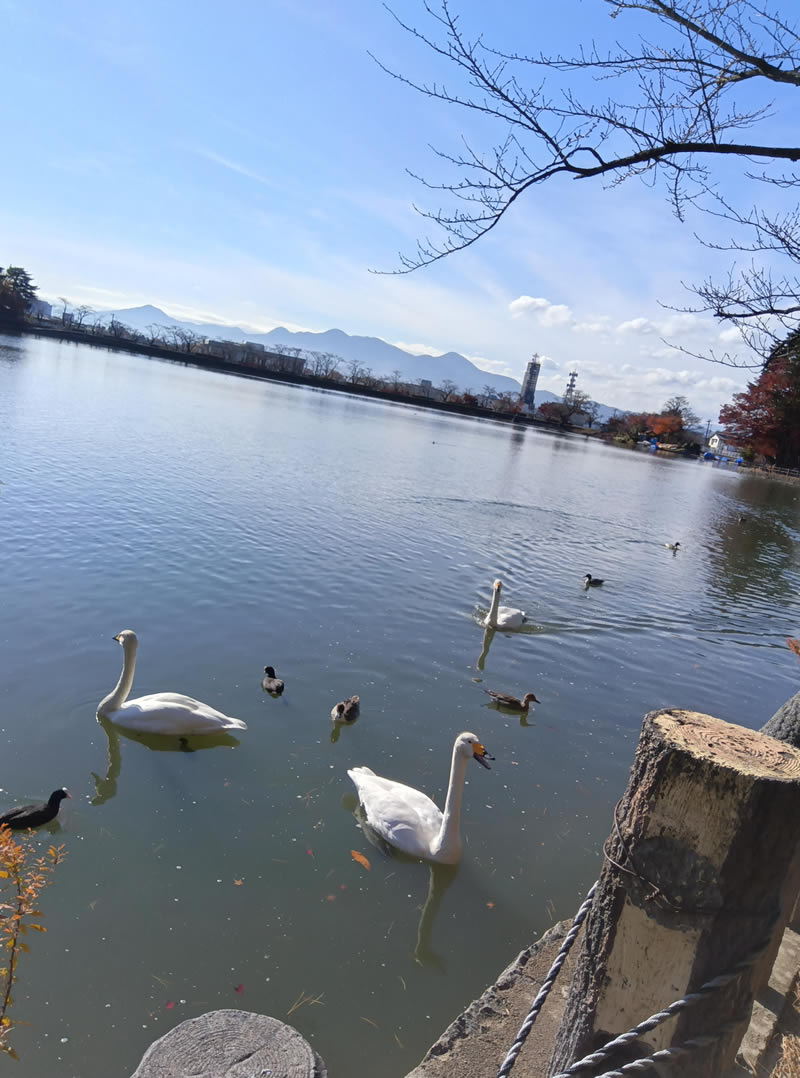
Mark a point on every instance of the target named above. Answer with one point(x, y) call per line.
point(246, 163)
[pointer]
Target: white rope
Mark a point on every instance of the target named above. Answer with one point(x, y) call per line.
point(547, 984)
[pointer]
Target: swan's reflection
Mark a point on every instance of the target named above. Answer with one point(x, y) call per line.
point(441, 876)
point(439, 879)
point(488, 637)
point(106, 788)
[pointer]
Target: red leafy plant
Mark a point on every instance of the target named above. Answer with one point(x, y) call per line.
point(23, 875)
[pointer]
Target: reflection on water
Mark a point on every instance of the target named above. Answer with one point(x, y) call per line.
point(439, 880)
point(106, 787)
point(227, 538)
point(486, 643)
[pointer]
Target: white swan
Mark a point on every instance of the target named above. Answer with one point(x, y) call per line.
point(161, 712)
point(408, 819)
point(502, 617)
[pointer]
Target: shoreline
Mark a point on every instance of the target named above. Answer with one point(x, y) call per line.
point(109, 342)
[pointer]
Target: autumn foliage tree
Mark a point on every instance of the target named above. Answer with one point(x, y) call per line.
point(766, 416)
point(23, 874)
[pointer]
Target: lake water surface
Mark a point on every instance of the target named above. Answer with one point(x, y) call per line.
point(351, 544)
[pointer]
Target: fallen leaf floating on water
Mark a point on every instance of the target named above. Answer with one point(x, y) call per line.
point(490, 905)
point(310, 852)
point(360, 858)
point(169, 1005)
point(794, 645)
point(238, 883)
point(238, 989)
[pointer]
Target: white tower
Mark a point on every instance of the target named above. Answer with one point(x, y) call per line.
point(527, 394)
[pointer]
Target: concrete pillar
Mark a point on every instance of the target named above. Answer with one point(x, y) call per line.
point(234, 1044)
point(707, 839)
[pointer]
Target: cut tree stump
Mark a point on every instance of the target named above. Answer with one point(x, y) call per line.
point(706, 839)
point(231, 1044)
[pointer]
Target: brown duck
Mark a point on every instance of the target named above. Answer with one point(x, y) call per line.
point(511, 702)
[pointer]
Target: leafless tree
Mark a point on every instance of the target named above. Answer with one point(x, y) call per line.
point(591, 410)
point(681, 105)
point(117, 328)
point(396, 377)
point(448, 389)
point(183, 339)
point(322, 364)
point(355, 370)
point(155, 334)
point(506, 402)
point(80, 314)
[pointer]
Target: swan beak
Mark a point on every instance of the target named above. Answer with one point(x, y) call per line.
point(481, 755)
point(116, 638)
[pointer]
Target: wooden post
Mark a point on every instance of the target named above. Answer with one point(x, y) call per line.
point(231, 1042)
point(707, 836)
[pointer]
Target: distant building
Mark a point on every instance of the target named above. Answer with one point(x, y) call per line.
point(527, 394)
point(721, 447)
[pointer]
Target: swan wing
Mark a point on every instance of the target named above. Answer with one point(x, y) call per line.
point(403, 816)
point(172, 713)
point(510, 618)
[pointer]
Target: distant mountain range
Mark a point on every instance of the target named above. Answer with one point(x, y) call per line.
point(372, 352)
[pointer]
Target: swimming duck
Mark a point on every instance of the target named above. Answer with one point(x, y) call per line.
point(160, 712)
point(270, 683)
point(672, 546)
point(346, 710)
point(408, 819)
point(590, 581)
point(502, 617)
point(511, 702)
point(25, 816)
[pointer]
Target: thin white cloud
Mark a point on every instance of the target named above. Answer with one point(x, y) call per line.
point(233, 166)
point(416, 349)
point(598, 327)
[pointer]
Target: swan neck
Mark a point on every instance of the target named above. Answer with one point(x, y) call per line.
point(492, 618)
point(448, 842)
point(119, 695)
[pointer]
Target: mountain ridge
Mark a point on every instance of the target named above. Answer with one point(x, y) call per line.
point(374, 353)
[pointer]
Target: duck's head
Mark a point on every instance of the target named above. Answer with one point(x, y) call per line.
point(468, 745)
point(529, 698)
point(269, 671)
point(588, 578)
point(57, 796)
point(127, 638)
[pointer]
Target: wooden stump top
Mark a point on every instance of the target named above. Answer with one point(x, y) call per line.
point(744, 751)
point(231, 1044)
